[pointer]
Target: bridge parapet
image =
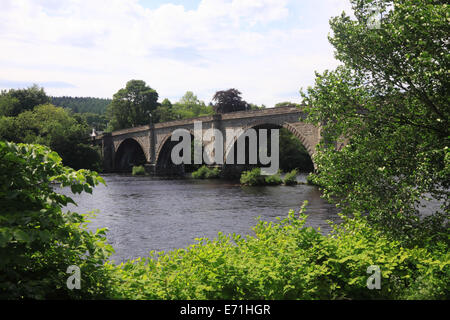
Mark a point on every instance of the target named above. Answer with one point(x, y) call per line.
point(153, 137)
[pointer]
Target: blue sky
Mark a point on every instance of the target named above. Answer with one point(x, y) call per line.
point(267, 49)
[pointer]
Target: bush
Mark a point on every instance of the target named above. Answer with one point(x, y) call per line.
point(290, 178)
point(286, 260)
point(252, 178)
point(38, 241)
point(255, 178)
point(138, 171)
point(311, 179)
point(273, 180)
point(206, 173)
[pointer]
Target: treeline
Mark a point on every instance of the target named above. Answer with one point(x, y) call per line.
point(82, 104)
point(27, 116)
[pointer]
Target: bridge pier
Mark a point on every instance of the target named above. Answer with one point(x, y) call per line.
point(153, 139)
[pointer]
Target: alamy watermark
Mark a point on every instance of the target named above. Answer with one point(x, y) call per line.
point(74, 281)
point(213, 152)
point(374, 280)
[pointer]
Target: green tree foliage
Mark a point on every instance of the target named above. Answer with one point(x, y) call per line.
point(38, 241)
point(56, 128)
point(166, 103)
point(131, 106)
point(390, 100)
point(255, 178)
point(82, 104)
point(97, 121)
point(188, 107)
point(229, 101)
point(287, 260)
point(255, 107)
point(288, 104)
point(273, 180)
point(16, 101)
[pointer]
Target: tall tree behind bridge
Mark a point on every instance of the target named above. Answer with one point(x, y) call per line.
point(229, 101)
point(132, 105)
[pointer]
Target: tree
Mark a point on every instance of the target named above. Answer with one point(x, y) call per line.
point(56, 128)
point(256, 107)
point(16, 101)
point(166, 103)
point(288, 104)
point(190, 106)
point(189, 98)
point(82, 104)
point(229, 101)
point(390, 101)
point(131, 106)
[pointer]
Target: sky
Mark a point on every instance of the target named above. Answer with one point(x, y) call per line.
point(267, 49)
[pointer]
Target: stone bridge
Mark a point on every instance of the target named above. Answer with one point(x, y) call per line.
point(151, 144)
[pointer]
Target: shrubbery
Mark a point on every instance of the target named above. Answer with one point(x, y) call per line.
point(38, 241)
point(252, 178)
point(286, 260)
point(255, 178)
point(206, 173)
point(290, 178)
point(138, 171)
point(273, 180)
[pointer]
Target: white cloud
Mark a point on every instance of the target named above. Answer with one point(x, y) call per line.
point(98, 45)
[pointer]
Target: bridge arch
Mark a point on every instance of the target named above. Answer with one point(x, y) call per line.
point(280, 124)
point(163, 144)
point(129, 153)
point(163, 156)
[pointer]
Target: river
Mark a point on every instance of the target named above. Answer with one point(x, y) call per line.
point(148, 213)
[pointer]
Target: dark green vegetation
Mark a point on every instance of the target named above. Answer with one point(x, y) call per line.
point(284, 260)
point(37, 240)
point(138, 171)
point(206, 173)
point(189, 106)
point(390, 100)
point(290, 178)
point(14, 102)
point(35, 120)
point(82, 104)
point(132, 106)
point(255, 178)
point(90, 110)
point(229, 101)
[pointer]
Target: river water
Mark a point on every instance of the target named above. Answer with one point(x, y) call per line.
point(148, 213)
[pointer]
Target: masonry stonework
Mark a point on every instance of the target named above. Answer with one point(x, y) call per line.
point(153, 137)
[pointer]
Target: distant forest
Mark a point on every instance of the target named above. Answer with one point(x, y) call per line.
point(82, 105)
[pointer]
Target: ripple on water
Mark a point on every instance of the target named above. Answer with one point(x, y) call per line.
point(145, 214)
